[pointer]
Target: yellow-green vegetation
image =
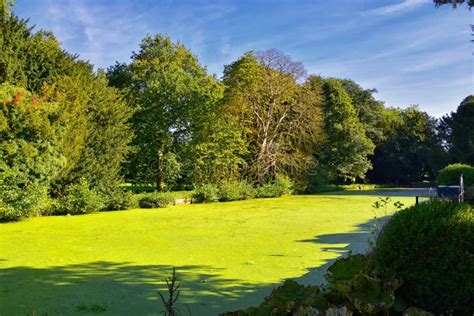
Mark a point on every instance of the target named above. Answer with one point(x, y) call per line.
point(227, 255)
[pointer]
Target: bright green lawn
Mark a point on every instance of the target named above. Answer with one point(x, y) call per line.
point(228, 255)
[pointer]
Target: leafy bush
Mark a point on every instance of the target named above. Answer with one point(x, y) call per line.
point(235, 190)
point(247, 191)
point(80, 199)
point(469, 192)
point(281, 186)
point(156, 200)
point(352, 288)
point(431, 247)
point(450, 175)
point(139, 188)
point(206, 193)
point(120, 200)
point(16, 203)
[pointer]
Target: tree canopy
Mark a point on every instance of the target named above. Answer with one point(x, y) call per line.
point(162, 120)
point(454, 3)
point(282, 119)
point(90, 119)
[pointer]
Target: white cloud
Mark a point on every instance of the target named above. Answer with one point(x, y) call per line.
point(406, 5)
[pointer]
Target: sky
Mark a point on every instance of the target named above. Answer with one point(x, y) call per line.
point(409, 50)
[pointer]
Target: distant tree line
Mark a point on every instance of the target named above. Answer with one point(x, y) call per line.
point(163, 120)
point(265, 117)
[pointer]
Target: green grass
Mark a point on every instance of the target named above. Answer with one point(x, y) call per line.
point(228, 255)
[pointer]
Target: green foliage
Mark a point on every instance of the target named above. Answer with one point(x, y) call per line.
point(348, 147)
point(138, 188)
point(171, 92)
point(30, 59)
point(83, 121)
point(80, 198)
point(119, 200)
point(457, 129)
point(281, 119)
point(411, 151)
point(156, 200)
point(216, 152)
point(281, 186)
point(450, 175)
point(352, 288)
point(93, 129)
point(19, 202)
point(206, 193)
point(430, 246)
point(287, 299)
point(370, 112)
point(28, 156)
point(235, 190)
point(28, 146)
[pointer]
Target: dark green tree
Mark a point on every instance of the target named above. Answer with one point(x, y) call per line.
point(369, 110)
point(170, 92)
point(29, 155)
point(90, 124)
point(457, 130)
point(347, 149)
point(412, 151)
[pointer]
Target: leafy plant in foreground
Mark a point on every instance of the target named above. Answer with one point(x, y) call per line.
point(173, 294)
point(352, 288)
point(380, 207)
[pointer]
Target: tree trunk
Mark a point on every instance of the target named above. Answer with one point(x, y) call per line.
point(160, 185)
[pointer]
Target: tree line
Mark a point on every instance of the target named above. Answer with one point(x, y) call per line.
point(162, 119)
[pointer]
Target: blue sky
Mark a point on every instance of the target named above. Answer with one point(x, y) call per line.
point(412, 52)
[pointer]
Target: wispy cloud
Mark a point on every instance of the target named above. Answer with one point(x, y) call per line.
point(411, 52)
point(405, 5)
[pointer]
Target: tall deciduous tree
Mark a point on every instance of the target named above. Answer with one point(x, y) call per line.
point(348, 148)
point(369, 110)
point(170, 91)
point(411, 152)
point(282, 119)
point(457, 130)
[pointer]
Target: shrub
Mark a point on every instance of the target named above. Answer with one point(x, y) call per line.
point(281, 186)
point(156, 200)
point(352, 288)
point(431, 247)
point(247, 191)
point(16, 203)
point(229, 191)
point(235, 190)
point(206, 193)
point(139, 188)
point(450, 175)
point(469, 192)
point(80, 199)
point(120, 200)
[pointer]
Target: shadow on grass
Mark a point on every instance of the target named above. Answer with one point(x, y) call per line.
point(341, 244)
point(124, 288)
point(120, 289)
